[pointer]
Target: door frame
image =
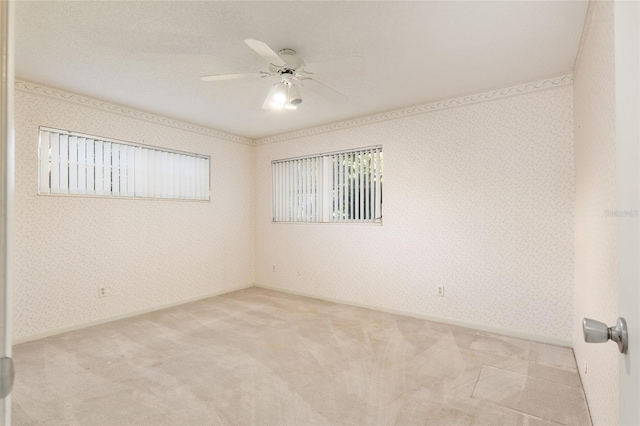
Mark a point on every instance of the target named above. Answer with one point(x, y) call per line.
point(627, 69)
point(7, 159)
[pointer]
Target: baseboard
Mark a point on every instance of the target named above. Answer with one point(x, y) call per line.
point(475, 326)
point(584, 389)
point(56, 331)
point(452, 321)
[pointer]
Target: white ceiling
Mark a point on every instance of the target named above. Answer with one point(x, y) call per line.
point(150, 55)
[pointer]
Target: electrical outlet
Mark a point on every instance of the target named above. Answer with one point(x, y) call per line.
point(102, 292)
point(584, 367)
point(441, 291)
point(273, 267)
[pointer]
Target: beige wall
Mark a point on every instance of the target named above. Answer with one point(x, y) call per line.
point(596, 259)
point(148, 253)
point(477, 198)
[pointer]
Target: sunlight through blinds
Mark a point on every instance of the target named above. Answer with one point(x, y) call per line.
point(343, 186)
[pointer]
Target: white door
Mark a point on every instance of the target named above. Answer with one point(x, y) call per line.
point(6, 204)
point(627, 52)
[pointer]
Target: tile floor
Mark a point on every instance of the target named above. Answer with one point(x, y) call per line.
point(263, 357)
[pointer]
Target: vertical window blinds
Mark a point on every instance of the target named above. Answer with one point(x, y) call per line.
point(342, 186)
point(76, 164)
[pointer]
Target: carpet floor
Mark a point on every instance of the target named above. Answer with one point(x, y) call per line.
point(261, 357)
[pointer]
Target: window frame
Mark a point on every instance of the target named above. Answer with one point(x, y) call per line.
point(326, 184)
point(134, 145)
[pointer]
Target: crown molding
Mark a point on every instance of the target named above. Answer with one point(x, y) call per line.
point(118, 109)
point(560, 80)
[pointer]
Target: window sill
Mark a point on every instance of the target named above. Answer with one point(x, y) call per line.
point(328, 223)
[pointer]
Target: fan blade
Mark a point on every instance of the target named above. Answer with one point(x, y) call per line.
point(342, 65)
point(232, 76)
point(265, 51)
point(324, 91)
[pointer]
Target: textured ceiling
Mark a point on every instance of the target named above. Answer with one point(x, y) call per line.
point(150, 55)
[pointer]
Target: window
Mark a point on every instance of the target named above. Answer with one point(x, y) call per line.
point(77, 164)
point(341, 186)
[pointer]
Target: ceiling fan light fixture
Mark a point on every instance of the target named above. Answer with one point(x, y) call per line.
point(283, 95)
point(278, 93)
point(290, 69)
point(294, 95)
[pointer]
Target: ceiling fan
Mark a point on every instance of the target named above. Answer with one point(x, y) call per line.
point(292, 73)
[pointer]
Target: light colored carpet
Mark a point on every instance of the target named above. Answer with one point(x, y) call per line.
point(268, 358)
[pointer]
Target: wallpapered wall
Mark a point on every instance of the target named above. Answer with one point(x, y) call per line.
point(477, 199)
point(146, 252)
point(596, 259)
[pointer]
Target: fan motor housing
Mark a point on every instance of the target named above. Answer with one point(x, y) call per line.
point(291, 58)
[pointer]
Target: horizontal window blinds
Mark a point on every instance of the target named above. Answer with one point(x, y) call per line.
point(336, 187)
point(73, 164)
